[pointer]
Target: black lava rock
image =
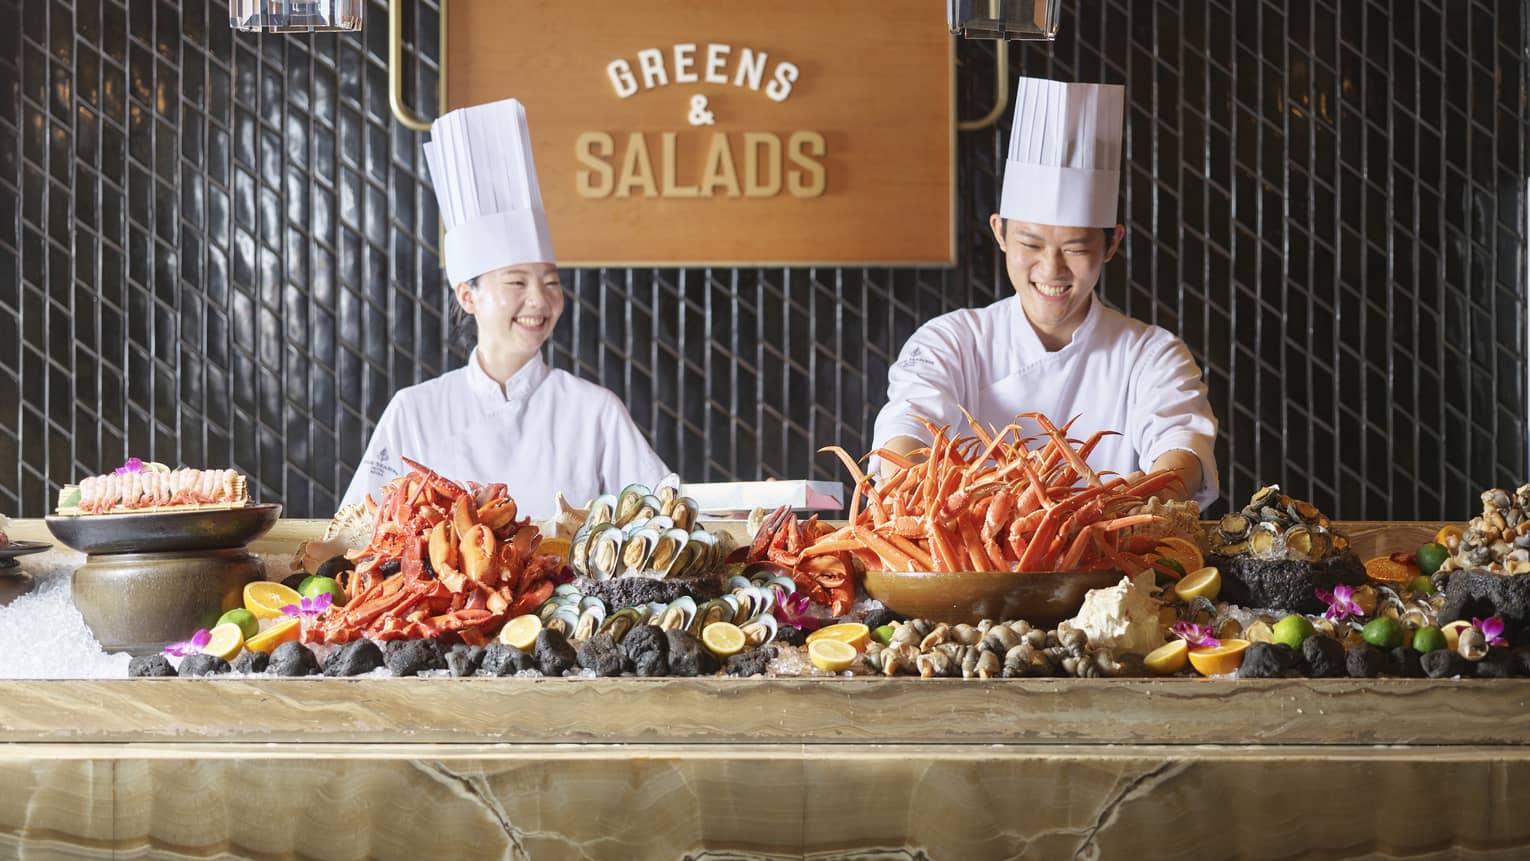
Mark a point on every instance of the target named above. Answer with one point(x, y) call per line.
point(750, 663)
point(293, 659)
point(1404, 661)
point(1284, 584)
point(601, 654)
point(688, 657)
point(464, 660)
point(636, 591)
point(879, 617)
point(149, 666)
point(334, 566)
point(502, 660)
point(1324, 657)
point(790, 636)
point(293, 581)
point(1364, 662)
point(354, 659)
point(553, 654)
point(1498, 664)
point(202, 665)
point(1443, 663)
point(1266, 661)
point(415, 655)
point(251, 662)
point(1479, 594)
point(648, 650)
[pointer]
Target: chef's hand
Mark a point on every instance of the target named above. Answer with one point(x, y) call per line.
point(1187, 465)
point(900, 445)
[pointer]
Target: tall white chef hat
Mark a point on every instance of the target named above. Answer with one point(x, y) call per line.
point(486, 186)
point(1064, 166)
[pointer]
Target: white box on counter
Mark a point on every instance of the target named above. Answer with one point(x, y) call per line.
point(738, 498)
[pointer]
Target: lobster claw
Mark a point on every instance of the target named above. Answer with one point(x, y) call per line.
point(464, 516)
point(478, 553)
point(443, 547)
point(497, 513)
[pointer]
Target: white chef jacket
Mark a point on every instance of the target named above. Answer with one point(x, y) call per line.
point(1117, 374)
point(547, 432)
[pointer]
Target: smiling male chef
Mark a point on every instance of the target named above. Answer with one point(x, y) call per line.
point(1053, 347)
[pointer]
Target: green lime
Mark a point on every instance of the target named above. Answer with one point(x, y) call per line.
point(313, 587)
point(883, 634)
point(1426, 640)
point(249, 626)
point(1165, 579)
point(1430, 557)
point(1422, 584)
point(302, 585)
point(1383, 632)
point(1293, 630)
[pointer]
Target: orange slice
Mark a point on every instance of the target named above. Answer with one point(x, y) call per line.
point(267, 640)
point(554, 547)
point(1182, 551)
point(1219, 660)
point(853, 634)
point(266, 599)
point(1385, 569)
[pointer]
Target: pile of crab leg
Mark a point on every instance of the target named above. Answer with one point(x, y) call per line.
point(444, 561)
point(993, 502)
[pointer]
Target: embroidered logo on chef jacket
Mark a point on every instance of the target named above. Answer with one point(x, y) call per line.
point(378, 467)
point(916, 357)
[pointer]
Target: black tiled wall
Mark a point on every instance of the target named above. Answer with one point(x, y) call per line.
point(218, 248)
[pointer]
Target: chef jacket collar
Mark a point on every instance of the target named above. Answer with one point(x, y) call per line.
point(1030, 342)
point(519, 387)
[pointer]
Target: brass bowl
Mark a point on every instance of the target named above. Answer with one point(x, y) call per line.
point(141, 602)
point(1041, 598)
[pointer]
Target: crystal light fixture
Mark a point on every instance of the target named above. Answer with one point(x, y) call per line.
point(1025, 20)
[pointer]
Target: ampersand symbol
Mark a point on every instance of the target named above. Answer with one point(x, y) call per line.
point(699, 115)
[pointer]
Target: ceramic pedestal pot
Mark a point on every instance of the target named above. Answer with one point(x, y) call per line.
point(141, 602)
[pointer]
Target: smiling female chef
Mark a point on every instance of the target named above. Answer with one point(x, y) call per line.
point(1053, 348)
point(504, 416)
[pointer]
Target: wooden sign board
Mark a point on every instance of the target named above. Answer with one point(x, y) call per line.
point(726, 132)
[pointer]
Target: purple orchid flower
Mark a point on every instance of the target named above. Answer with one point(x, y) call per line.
point(309, 607)
point(1492, 630)
point(1198, 636)
point(133, 465)
point(792, 610)
point(1341, 603)
point(192, 646)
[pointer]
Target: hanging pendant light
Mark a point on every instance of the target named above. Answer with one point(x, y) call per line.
point(295, 16)
point(1023, 20)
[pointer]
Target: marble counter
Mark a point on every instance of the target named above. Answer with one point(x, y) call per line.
point(824, 768)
